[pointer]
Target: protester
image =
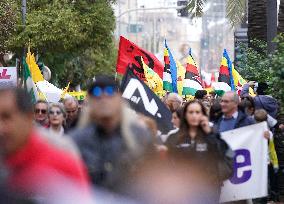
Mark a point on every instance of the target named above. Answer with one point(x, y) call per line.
point(35, 167)
point(196, 142)
point(71, 107)
point(200, 94)
point(173, 101)
point(56, 115)
point(232, 117)
point(113, 141)
point(176, 120)
point(150, 124)
point(247, 105)
point(261, 115)
point(261, 100)
point(215, 112)
point(40, 113)
point(177, 117)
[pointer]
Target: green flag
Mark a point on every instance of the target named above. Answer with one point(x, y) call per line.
point(29, 83)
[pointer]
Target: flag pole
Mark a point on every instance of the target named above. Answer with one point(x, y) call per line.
point(201, 77)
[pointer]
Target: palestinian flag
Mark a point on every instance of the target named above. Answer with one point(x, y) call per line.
point(167, 79)
point(192, 80)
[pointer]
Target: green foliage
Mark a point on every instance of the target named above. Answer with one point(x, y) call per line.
point(277, 70)
point(8, 18)
point(255, 64)
point(74, 38)
point(235, 11)
point(195, 7)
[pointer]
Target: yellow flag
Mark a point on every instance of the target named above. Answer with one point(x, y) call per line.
point(65, 90)
point(34, 69)
point(239, 81)
point(272, 154)
point(154, 82)
point(180, 77)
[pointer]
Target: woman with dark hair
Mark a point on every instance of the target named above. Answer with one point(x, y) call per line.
point(176, 121)
point(205, 150)
point(176, 117)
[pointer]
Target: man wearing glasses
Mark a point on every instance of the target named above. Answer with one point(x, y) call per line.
point(232, 118)
point(40, 113)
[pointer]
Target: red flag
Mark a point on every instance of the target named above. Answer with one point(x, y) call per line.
point(129, 56)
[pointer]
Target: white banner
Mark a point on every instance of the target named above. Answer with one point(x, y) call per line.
point(8, 76)
point(250, 163)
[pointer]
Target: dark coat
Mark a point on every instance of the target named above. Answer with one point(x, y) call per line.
point(210, 153)
point(109, 159)
point(265, 102)
point(242, 121)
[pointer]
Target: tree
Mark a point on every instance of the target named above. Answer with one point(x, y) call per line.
point(8, 17)
point(281, 18)
point(277, 70)
point(254, 64)
point(257, 65)
point(236, 11)
point(68, 35)
point(257, 20)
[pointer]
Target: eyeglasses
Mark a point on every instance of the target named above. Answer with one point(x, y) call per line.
point(99, 91)
point(55, 112)
point(43, 111)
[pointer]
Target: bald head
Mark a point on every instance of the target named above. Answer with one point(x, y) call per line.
point(229, 103)
point(71, 106)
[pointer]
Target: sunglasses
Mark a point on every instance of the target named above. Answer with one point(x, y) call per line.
point(43, 111)
point(55, 112)
point(99, 91)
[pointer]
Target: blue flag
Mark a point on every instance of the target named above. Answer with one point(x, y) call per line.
point(173, 68)
point(230, 67)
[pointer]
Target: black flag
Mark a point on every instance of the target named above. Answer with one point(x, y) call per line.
point(142, 99)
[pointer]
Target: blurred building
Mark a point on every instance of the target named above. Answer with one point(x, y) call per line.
point(217, 35)
point(126, 19)
point(147, 27)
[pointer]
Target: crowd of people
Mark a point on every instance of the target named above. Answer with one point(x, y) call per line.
point(104, 152)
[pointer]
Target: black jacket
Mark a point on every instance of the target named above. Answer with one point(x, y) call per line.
point(210, 153)
point(109, 159)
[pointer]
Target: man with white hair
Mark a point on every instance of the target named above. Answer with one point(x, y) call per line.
point(232, 117)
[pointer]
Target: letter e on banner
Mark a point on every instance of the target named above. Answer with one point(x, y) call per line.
point(249, 180)
point(242, 166)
